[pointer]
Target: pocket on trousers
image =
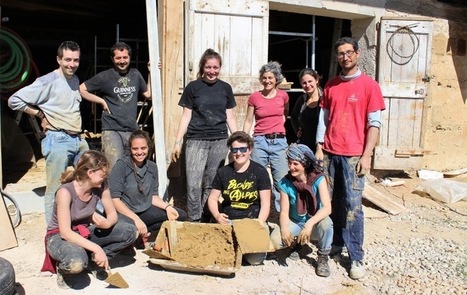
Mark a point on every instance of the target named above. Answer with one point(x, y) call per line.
point(46, 145)
point(358, 182)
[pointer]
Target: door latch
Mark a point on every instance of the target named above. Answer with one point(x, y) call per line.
point(420, 91)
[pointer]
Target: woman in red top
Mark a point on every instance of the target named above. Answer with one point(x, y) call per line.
point(269, 108)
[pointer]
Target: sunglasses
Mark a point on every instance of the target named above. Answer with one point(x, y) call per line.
point(242, 150)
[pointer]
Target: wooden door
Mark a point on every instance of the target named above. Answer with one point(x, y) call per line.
point(404, 63)
point(237, 29)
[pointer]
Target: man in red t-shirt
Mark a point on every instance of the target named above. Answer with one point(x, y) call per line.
point(348, 130)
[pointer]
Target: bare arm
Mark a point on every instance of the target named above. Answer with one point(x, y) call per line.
point(182, 128)
point(63, 199)
point(364, 165)
point(322, 212)
point(92, 97)
point(213, 205)
point(248, 119)
point(172, 214)
point(265, 204)
point(286, 112)
point(284, 220)
point(231, 122)
point(123, 209)
point(38, 113)
point(111, 215)
point(147, 93)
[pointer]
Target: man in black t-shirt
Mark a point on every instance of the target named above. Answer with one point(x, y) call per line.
point(118, 90)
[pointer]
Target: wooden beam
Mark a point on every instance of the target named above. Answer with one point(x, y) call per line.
point(158, 117)
point(8, 239)
point(382, 201)
point(172, 25)
point(405, 153)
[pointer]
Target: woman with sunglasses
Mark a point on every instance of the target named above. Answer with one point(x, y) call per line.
point(269, 108)
point(245, 188)
point(76, 231)
point(134, 188)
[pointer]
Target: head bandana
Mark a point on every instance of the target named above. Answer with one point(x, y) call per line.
point(306, 201)
point(302, 154)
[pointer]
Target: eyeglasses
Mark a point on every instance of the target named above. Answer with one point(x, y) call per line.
point(242, 150)
point(348, 53)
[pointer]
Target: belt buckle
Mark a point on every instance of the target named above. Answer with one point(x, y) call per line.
point(274, 135)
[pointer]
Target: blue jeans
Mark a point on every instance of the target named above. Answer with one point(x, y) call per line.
point(115, 145)
point(73, 259)
point(59, 150)
point(346, 190)
point(203, 158)
point(272, 152)
point(322, 232)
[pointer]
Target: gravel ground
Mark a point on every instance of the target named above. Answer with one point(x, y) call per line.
point(421, 251)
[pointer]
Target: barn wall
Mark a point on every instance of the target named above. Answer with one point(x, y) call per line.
point(445, 122)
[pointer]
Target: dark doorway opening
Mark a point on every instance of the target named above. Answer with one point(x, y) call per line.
point(291, 44)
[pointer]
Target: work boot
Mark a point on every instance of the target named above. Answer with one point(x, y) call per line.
point(357, 270)
point(323, 269)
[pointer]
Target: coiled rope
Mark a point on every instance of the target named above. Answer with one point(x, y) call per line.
point(402, 50)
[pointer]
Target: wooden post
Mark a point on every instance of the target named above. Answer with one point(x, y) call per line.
point(158, 117)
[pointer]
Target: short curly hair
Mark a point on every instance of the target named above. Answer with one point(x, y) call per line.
point(242, 137)
point(272, 67)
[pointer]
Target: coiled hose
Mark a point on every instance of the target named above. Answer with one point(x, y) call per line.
point(16, 61)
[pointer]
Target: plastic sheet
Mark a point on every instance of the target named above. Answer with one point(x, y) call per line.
point(444, 190)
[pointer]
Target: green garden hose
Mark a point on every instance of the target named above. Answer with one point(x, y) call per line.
point(15, 59)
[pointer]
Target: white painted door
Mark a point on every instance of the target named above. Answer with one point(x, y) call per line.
point(404, 63)
point(237, 29)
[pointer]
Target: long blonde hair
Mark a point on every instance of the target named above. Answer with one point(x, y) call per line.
point(89, 160)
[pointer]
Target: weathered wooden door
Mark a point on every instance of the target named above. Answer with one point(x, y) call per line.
point(237, 29)
point(404, 63)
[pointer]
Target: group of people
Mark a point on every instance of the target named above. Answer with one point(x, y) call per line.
point(316, 183)
point(109, 201)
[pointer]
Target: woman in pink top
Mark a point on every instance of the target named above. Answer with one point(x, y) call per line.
point(269, 108)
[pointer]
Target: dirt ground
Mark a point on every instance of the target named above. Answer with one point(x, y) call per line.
point(278, 275)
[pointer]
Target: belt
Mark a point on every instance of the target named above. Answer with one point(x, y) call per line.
point(71, 133)
point(274, 135)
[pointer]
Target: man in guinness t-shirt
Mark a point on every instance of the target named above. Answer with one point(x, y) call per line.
point(118, 89)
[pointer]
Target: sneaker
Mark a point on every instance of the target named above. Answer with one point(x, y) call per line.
point(322, 269)
point(357, 270)
point(63, 280)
